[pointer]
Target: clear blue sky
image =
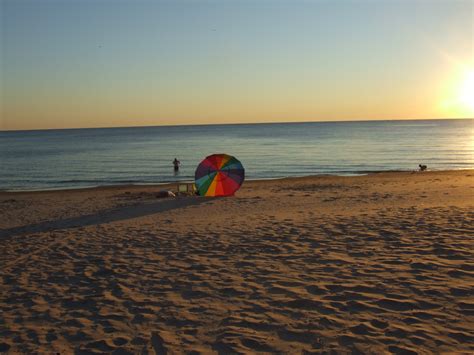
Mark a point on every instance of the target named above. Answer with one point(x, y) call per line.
point(78, 63)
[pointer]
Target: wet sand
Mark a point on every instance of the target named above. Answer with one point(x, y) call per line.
point(372, 264)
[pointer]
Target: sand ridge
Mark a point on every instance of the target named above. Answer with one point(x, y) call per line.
point(373, 264)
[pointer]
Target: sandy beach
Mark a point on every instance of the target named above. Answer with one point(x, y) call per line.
point(374, 264)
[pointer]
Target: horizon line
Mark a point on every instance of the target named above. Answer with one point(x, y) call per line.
point(236, 124)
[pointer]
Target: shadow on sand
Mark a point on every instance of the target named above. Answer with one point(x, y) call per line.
point(118, 214)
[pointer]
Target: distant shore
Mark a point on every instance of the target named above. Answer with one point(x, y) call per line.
point(374, 264)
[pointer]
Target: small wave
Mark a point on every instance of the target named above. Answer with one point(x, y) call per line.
point(93, 181)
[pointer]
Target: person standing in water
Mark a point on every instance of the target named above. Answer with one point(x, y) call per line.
point(176, 164)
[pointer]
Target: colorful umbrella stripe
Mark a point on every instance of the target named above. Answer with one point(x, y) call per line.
point(219, 175)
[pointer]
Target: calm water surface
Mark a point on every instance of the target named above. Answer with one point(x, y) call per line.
point(108, 156)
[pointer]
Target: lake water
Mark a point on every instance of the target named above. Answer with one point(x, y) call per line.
point(109, 156)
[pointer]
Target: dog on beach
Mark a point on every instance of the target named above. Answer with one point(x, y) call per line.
point(422, 167)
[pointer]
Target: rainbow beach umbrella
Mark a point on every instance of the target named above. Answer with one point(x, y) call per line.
point(219, 175)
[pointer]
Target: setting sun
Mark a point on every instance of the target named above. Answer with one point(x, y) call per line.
point(459, 92)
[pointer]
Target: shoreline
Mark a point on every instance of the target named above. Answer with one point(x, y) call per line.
point(174, 183)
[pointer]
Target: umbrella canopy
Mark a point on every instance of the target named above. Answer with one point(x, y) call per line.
point(219, 175)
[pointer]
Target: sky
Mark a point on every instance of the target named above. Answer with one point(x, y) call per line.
point(109, 63)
